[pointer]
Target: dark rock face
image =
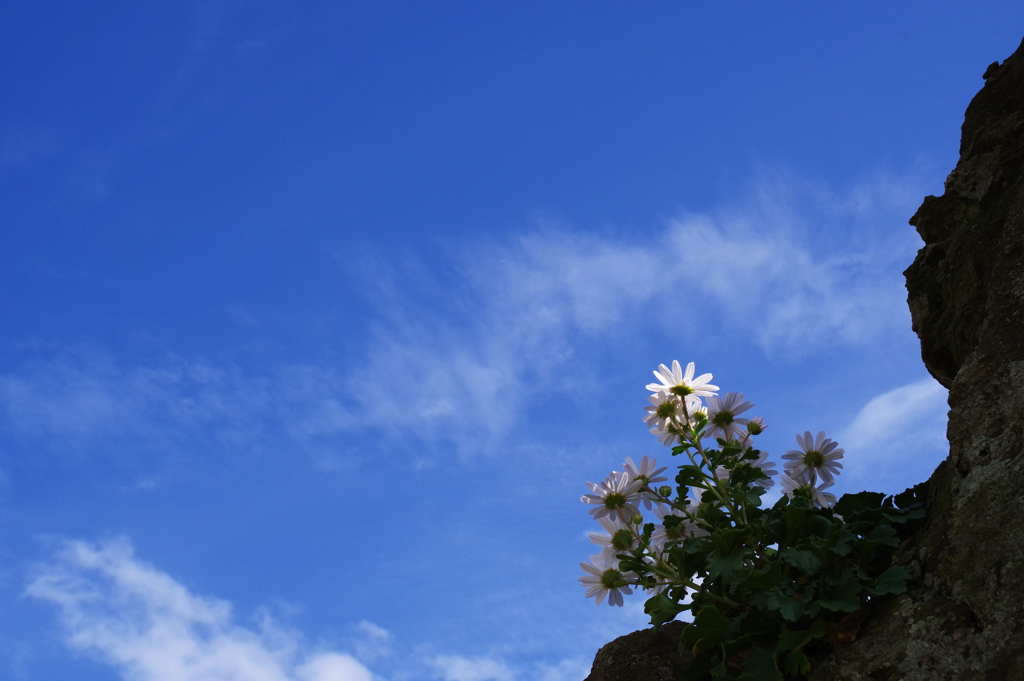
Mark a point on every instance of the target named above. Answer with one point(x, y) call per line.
point(963, 617)
point(642, 656)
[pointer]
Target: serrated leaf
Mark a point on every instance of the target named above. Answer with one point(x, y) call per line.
point(662, 609)
point(850, 504)
point(892, 581)
point(795, 663)
point(795, 639)
point(884, 535)
point(844, 594)
point(724, 565)
point(709, 628)
point(760, 666)
point(776, 601)
point(913, 495)
point(689, 476)
point(736, 646)
point(700, 667)
point(803, 560)
point(764, 579)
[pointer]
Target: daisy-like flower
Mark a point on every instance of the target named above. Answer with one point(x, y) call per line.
point(685, 529)
point(676, 382)
point(668, 436)
point(819, 497)
point(666, 409)
point(648, 474)
point(616, 536)
point(765, 466)
point(789, 482)
point(616, 493)
point(816, 456)
point(723, 416)
point(603, 578)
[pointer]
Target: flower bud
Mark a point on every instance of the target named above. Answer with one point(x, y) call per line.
point(755, 426)
point(637, 519)
point(664, 490)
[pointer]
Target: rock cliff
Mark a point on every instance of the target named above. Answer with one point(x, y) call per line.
point(963, 617)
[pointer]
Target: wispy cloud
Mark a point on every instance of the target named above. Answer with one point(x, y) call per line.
point(86, 403)
point(149, 627)
point(898, 437)
point(794, 268)
point(456, 668)
point(455, 351)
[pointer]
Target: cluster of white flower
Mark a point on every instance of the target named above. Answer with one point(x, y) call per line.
point(677, 415)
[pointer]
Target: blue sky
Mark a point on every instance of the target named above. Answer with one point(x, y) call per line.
point(318, 316)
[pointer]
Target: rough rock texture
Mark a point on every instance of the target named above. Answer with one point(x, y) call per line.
point(963, 618)
point(642, 656)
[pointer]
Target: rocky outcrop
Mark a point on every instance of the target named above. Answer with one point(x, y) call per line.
point(963, 618)
point(644, 655)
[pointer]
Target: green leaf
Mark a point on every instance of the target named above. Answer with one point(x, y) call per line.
point(777, 601)
point(709, 628)
point(737, 646)
point(689, 476)
point(884, 535)
point(803, 560)
point(729, 540)
point(849, 504)
point(844, 594)
point(760, 666)
point(892, 581)
point(662, 609)
point(913, 495)
point(764, 579)
point(724, 565)
point(796, 663)
point(797, 638)
point(700, 667)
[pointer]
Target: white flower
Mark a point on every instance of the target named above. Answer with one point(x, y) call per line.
point(676, 382)
point(767, 467)
point(667, 409)
point(615, 494)
point(789, 483)
point(646, 473)
point(668, 436)
point(819, 497)
point(616, 536)
point(816, 456)
point(685, 529)
point(723, 416)
point(604, 578)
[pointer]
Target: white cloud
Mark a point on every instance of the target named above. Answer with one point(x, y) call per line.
point(796, 269)
point(333, 667)
point(88, 403)
point(575, 669)
point(149, 627)
point(456, 668)
point(456, 351)
point(898, 437)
